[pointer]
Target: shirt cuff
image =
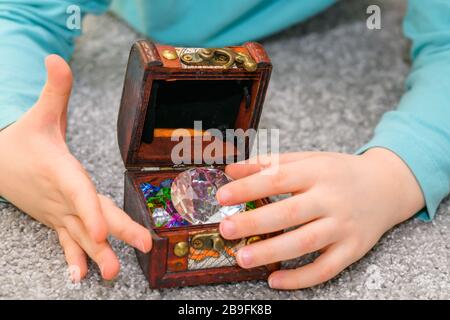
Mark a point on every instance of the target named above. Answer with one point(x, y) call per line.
point(426, 171)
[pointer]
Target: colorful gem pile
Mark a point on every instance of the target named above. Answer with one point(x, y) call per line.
point(160, 205)
point(194, 196)
point(194, 191)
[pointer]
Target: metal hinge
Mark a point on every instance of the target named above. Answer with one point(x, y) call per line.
point(150, 169)
point(174, 167)
point(224, 58)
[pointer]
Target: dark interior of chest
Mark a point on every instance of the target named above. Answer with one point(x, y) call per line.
point(177, 104)
point(196, 106)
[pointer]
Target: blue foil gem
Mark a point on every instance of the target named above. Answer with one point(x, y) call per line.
point(149, 190)
point(166, 183)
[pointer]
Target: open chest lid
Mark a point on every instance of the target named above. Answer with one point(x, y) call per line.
point(178, 104)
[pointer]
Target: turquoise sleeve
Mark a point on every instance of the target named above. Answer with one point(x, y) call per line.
point(214, 23)
point(29, 31)
point(419, 130)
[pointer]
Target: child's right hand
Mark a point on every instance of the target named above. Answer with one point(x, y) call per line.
point(40, 176)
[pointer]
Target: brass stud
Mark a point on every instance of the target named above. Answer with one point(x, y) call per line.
point(240, 58)
point(206, 51)
point(187, 57)
point(247, 63)
point(206, 54)
point(181, 249)
point(253, 239)
point(250, 66)
point(170, 54)
point(197, 243)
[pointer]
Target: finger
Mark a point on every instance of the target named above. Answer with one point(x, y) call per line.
point(306, 239)
point(293, 211)
point(121, 226)
point(256, 164)
point(75, 256)
point(325, 267)
point(56, 92)
point(101, 253)
point(82, 197)
point(290, 177)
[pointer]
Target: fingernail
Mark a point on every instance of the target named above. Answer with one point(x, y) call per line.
point(74, 274)
point(274, 283)
point(227, 228)
point(223, 195)
point(245, 258)
point(102, 271)
point(139, 244)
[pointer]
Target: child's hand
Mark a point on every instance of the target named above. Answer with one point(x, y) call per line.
point(40, 176)
point(344, 204)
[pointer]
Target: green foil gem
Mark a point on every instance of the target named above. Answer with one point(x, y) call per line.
point(250, 205)
point(163, 194)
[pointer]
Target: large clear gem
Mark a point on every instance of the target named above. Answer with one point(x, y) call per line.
point(194, 195)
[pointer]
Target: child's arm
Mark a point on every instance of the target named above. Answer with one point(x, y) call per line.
point(38, 174)
point(419, 130)
point(345, 203)
point(30, 30)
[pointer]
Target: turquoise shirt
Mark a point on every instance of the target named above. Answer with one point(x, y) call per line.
point(418, 131)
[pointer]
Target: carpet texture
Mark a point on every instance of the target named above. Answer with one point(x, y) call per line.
point(333, 79)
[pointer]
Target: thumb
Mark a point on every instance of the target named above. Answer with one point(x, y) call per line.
point(56, 92)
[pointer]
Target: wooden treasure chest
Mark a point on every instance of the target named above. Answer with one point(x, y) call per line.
point(167, 89)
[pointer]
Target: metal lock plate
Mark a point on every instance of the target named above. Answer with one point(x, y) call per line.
point(211, 241)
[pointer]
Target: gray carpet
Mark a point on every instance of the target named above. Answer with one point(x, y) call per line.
point(332, 81)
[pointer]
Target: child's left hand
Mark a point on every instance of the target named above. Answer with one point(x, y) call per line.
point(344, 204)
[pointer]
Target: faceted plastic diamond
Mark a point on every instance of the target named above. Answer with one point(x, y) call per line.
point(194, 195)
